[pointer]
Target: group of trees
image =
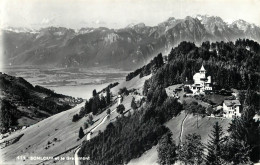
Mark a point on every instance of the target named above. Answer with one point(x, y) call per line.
point(112, 85)
point(133, 104)
point(123, 91)
point(8, 115)
point(221, 149)
point(131, 135)
point(167, 150)
point(194, 108)
point(240, 146)
point(95, 105)
point(120, 109)
point(123, 140)
point(250, 98)
point(190, 152)
point(152, 66)
point(49, 92)
point(224, 68)
point(23, 92)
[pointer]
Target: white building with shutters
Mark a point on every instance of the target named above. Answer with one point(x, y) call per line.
point(231, 108)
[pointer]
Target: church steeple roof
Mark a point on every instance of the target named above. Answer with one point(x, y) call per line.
point(202, 68)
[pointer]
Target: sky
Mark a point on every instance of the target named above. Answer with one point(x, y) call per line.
point(119, 13)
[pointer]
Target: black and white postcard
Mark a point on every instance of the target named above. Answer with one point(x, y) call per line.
point(136, 82)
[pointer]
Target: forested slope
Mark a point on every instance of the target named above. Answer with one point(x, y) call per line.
point(24, 104)
point(231, 65)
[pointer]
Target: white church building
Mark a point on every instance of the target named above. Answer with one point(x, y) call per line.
point(201, 82)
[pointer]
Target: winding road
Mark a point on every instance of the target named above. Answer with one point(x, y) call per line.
point(76, 157)
point(182, 123)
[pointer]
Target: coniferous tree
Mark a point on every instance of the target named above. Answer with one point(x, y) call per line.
point(252, 100)
point(94, 93)
point(7, 115)
point(82, 112)
point(246, 130)
point(96, 105)
point(191, 152)
point(108, 111)
point(75, 118)
point(85, 125)
point(90, 119)
point(146, 87)
point(166, 150)
point(87, 107)
point(120, 109)
point(81, 133)
point(215, 146)
point(133, 104)
point(108, 96)
point(159, 60)
point(236, 152)
point(94, 108)
point(102, 102)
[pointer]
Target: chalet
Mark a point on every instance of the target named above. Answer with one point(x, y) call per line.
point(231, 108)
point(201, 82)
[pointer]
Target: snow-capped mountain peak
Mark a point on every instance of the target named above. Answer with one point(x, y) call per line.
point(241, 24)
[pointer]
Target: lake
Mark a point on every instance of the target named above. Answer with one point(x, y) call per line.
point(76, 82)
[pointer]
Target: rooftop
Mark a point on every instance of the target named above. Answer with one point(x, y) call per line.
point(202, 68)
point(230, 103)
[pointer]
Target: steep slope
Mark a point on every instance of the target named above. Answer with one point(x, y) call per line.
point(23, 104)
point(57, 135)
point(126, 48)
point(189, 127)
point(132, 136)
point(38, 139)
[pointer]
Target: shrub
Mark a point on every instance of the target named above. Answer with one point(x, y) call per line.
point(75, 118)
point(81, 133)
point(85, 125)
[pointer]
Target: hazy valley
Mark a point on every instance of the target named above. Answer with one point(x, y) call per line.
point(186, 91)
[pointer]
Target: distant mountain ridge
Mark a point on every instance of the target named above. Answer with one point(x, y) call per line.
point(126, 48)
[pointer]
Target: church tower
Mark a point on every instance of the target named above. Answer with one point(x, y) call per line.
point(202, 72)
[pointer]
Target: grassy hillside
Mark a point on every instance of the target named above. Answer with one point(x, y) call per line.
point(190, 126)
point(36, 137)
point(149, 157)
point(135, 83)
point(61, 127)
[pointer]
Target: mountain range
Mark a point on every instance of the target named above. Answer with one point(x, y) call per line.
point(125, 48)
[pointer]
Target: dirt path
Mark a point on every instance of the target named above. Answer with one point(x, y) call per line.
point(76, 161)
point(182, 123)
point(76, 157)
